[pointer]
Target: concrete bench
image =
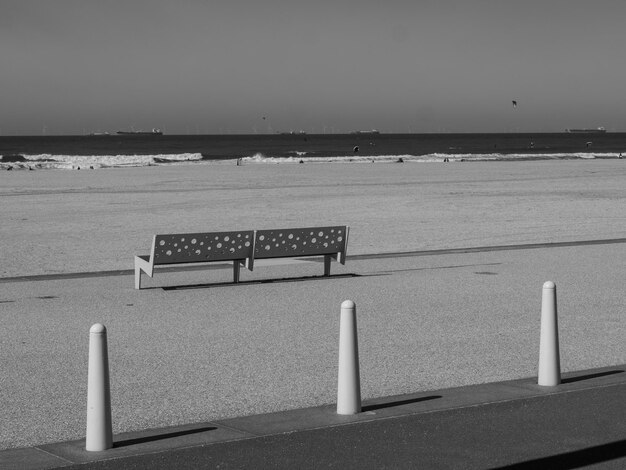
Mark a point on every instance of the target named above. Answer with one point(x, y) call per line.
point(330, 242)
point(243, 247)
point(194, 248)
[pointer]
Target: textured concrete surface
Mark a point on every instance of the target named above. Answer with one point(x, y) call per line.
point(205, 352)
point(214, 351)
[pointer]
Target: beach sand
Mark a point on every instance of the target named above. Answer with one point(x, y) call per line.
point(60, 221)
point(195, 355)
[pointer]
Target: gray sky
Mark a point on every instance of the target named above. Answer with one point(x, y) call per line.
point(194, 66)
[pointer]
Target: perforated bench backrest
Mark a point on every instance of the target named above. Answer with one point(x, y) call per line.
point(277, 243)
point(197, 247)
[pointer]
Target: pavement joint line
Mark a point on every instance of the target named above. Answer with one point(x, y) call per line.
point(357, 257)
point(44, 451)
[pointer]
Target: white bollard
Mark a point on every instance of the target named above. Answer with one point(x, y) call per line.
point(549, 361)
point(99, 428)
point(349, 382)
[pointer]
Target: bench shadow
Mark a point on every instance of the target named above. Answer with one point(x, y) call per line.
point(159, 437)
point(257, 281)
point(590, 376)
point(391, 404)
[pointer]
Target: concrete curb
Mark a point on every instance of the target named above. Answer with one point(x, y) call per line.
point(203, 435)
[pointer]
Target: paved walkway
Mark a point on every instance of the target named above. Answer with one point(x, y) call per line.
point(208, 354)
point(515, 424)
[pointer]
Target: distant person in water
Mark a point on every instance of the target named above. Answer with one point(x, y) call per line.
point(355, 149)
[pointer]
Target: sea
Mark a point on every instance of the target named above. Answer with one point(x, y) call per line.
point(114, 151)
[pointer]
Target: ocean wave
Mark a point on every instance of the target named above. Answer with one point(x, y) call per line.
point(71, 162)
point(430, 158)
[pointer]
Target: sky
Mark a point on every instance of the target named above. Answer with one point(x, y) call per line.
point(265, 66)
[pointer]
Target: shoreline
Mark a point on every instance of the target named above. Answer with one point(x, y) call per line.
point(78, 162)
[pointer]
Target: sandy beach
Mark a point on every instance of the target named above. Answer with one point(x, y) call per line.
point(60, 221)
point(191, 355)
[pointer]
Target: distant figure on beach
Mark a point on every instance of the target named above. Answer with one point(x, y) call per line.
point(620, 155)
point(589, 144)
point(514, 103)
point(301, 161)
point(400, 160)
point(355, 149)
point(239, 160)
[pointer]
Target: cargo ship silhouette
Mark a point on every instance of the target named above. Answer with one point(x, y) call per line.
point(152, 132)
point(599, 130)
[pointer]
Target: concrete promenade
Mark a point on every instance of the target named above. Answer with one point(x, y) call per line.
point(516, 425)
point(191, 353)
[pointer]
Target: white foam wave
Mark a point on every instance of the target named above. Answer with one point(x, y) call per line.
point(49, 161)
point(434, 157)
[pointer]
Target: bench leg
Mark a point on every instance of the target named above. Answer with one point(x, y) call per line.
point(141, 265)
point(236, 266)
point(137, 277)
point(327, 260)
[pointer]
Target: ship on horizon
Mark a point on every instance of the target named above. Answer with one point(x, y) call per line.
point(154, 131)
point(598, 130)
point(372, 131)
